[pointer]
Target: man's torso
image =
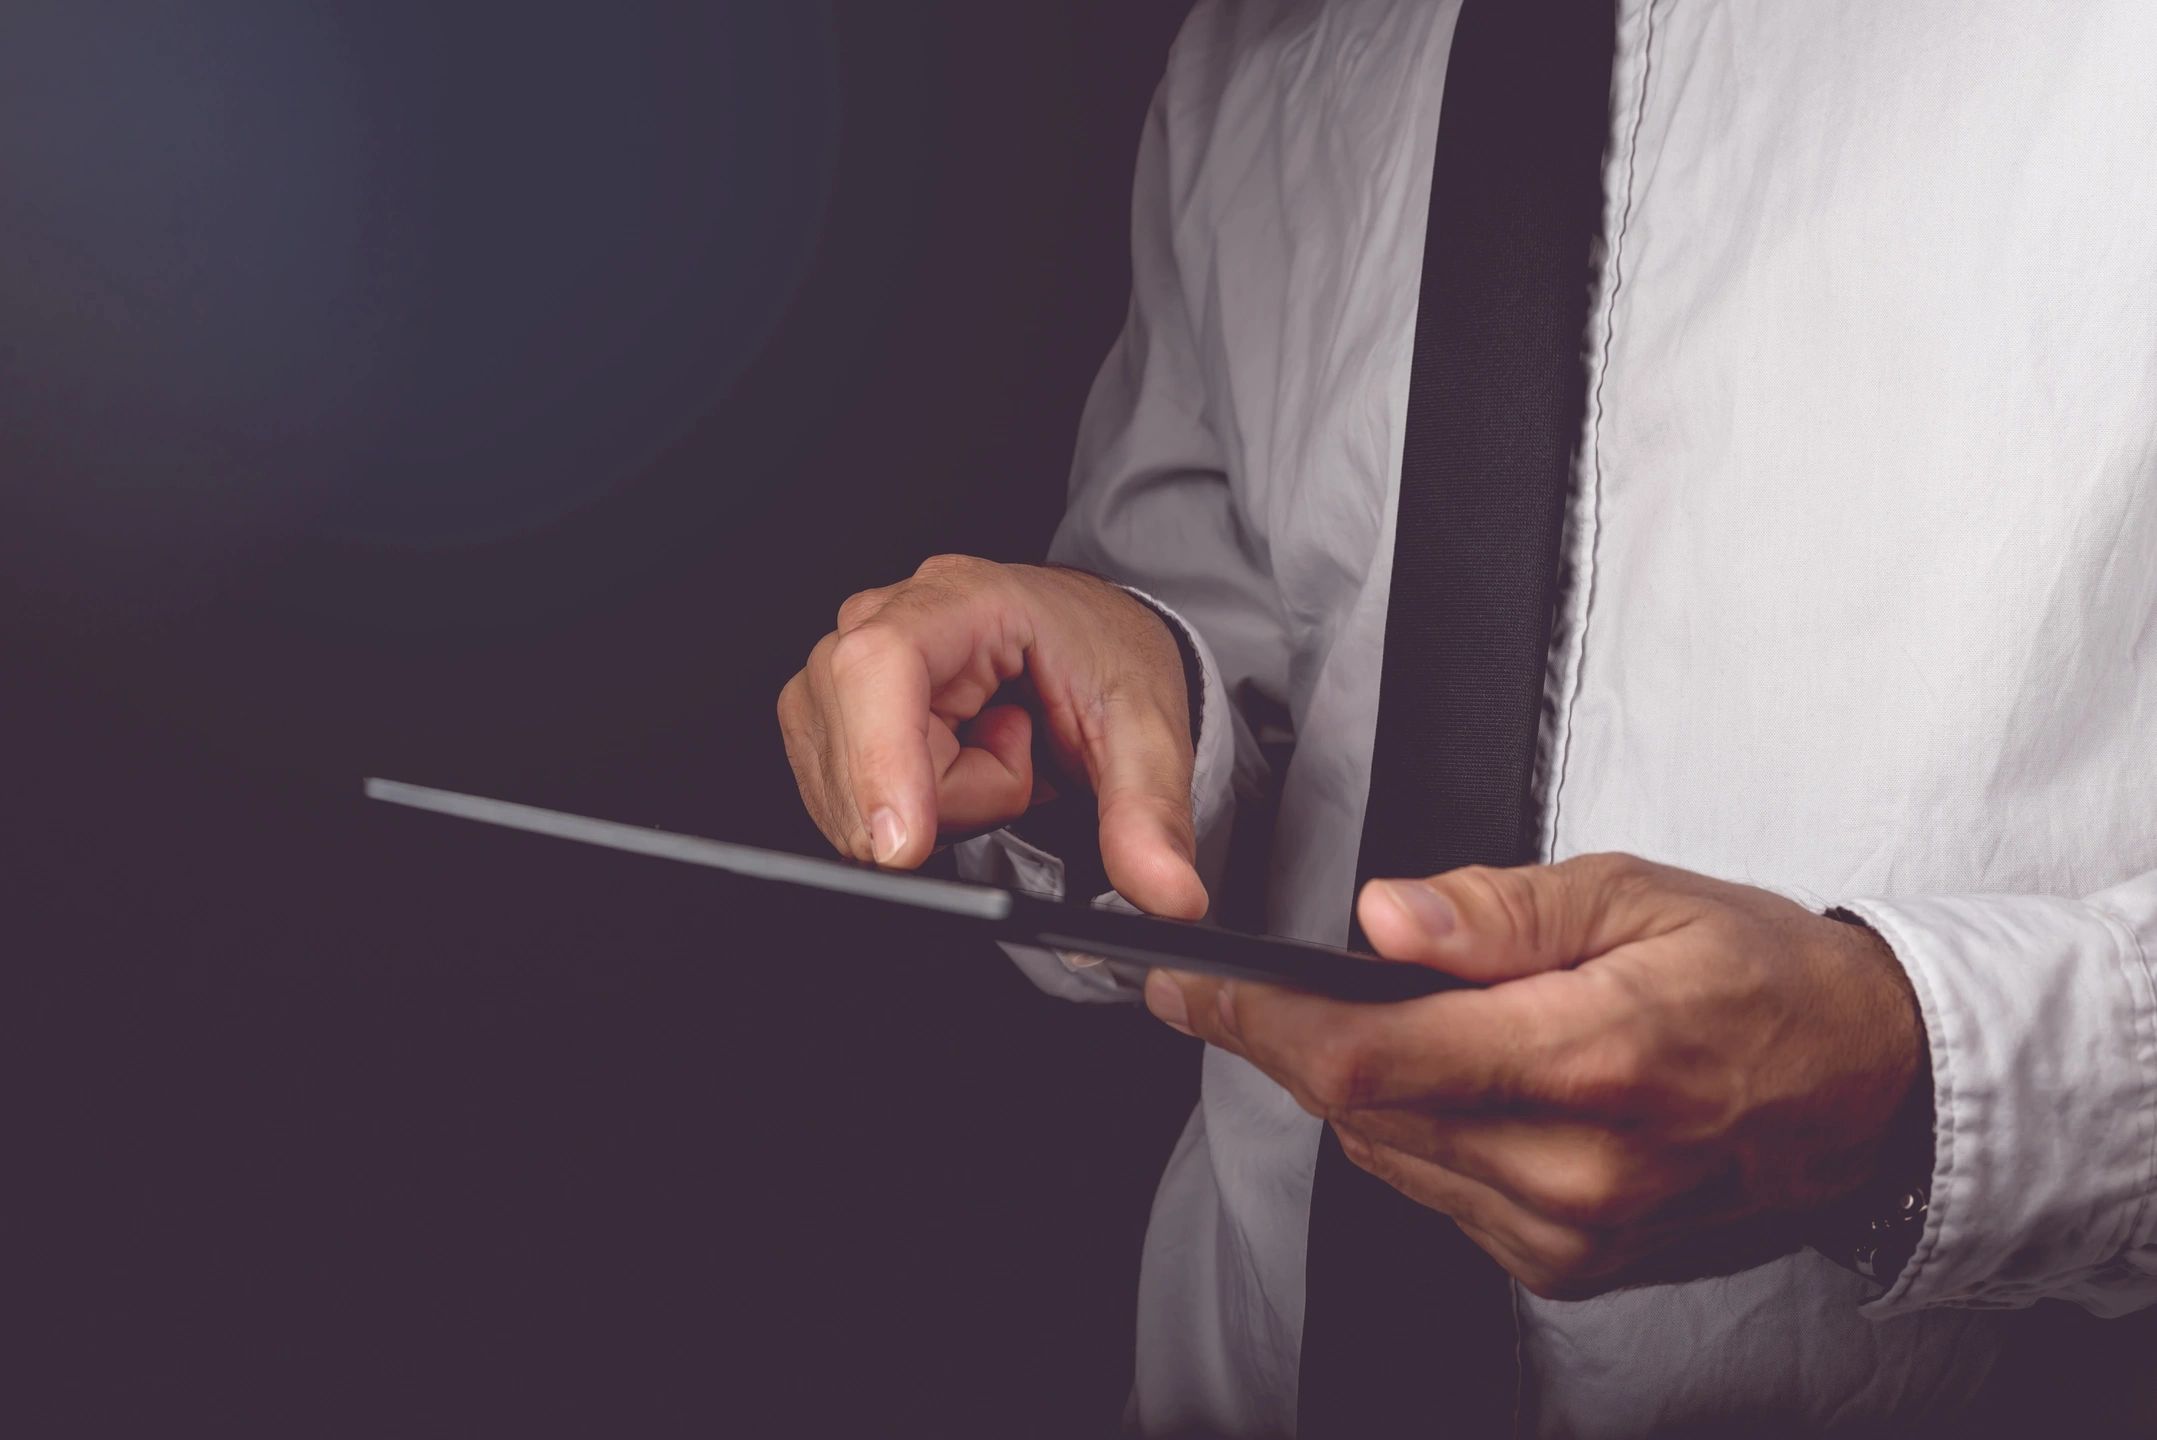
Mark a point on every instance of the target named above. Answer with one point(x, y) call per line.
point(1861, 570)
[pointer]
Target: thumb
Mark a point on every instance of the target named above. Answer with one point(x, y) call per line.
point(1489, 925)
point(1148, 845)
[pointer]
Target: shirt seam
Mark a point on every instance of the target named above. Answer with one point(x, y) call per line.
point(1590, 546)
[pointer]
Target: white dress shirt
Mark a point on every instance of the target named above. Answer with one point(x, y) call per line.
point(1860, 604)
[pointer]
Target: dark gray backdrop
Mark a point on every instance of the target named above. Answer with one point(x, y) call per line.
point(503, 397)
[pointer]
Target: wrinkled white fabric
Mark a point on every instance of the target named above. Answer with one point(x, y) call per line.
point(1860, 603)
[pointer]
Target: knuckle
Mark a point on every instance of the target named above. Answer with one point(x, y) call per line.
point(940, 567)
point(1606, 866)
point(858, 650)
point(1612, 1070)
point(1590, 1194)
point(1605, 876)
point(1515, 900)
point(858, 607)
point(1339, 1078)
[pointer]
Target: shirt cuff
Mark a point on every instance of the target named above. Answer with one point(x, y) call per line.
point(2042, 1024)
point(1004, 858)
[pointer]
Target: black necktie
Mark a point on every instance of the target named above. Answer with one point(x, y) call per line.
point(1408, 1326)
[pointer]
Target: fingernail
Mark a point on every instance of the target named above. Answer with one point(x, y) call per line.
point(1432, 913)
point(887, 837)
point(1164, 997)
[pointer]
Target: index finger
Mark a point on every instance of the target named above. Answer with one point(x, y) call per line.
point(1507, 1045)
point(880, 690)
point(927, 646)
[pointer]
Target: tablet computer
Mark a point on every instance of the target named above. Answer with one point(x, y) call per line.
point(1013, 916)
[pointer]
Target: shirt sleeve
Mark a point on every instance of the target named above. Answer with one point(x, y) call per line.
point(2041, 1015)
point(1152, 507)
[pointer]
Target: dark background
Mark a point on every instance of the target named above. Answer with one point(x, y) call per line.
point(503, 397)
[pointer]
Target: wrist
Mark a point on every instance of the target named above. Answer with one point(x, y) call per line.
point(1194, 671)
point(1874, 1230)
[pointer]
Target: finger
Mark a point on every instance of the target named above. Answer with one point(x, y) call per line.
point(806, 752)
point(1430, 1185)
point(990, 780)
point(1515, 1044)
point(944, 744)
point(1490, 924)
point(816, 747)
point(1553, 1260)
point(1166, 999)
point(879, 685)
point(1575, 1173)
point(908, 663)
point(1141, 772)
point(842, 815)
point(933, 641)
point(1189, 1003)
